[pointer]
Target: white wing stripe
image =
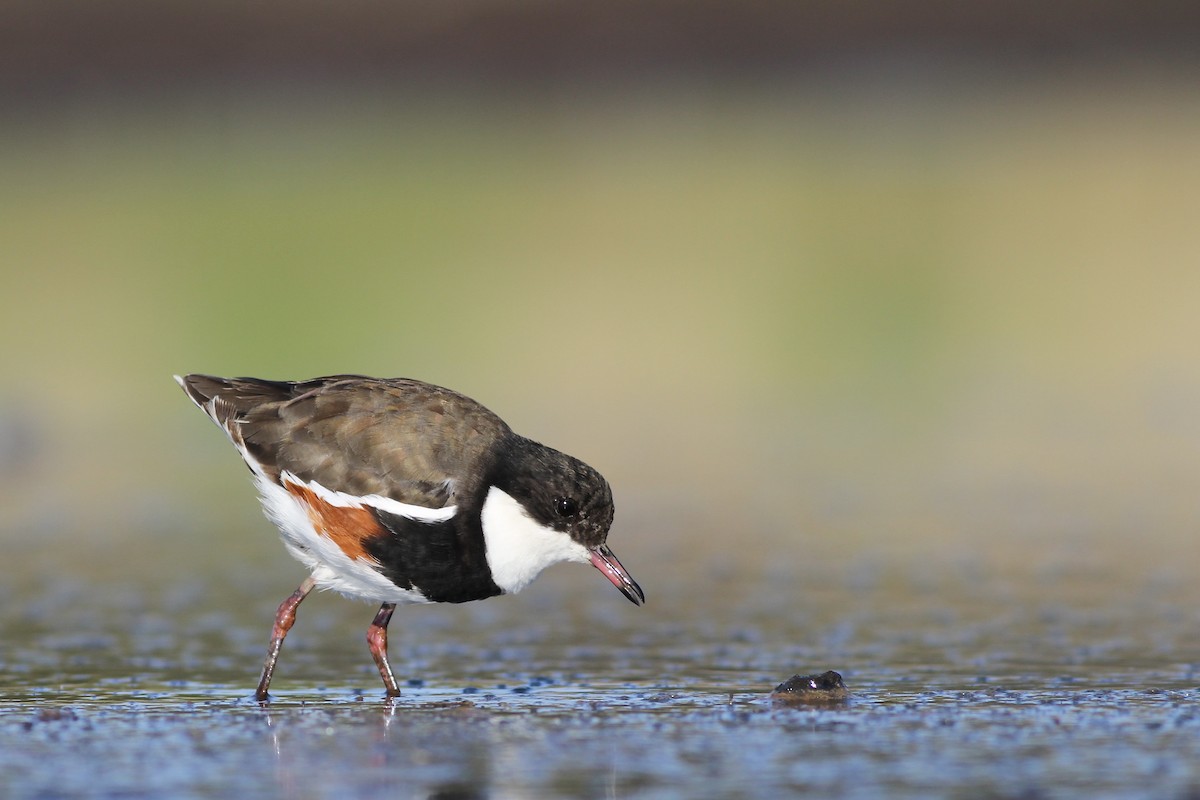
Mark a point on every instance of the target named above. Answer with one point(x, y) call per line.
point(387, 504)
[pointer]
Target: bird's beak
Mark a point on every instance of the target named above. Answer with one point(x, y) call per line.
point(604, 560)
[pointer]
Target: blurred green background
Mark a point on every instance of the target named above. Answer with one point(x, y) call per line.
point(793, 276)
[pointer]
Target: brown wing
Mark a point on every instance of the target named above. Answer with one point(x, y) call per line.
point(404, 439)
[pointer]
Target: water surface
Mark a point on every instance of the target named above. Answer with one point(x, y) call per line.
point(969, 677)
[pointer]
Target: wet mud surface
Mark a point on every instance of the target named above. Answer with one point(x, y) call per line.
point(1023, 683)
point(547, 739)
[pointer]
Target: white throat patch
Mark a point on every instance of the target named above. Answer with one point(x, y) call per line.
point(518, 547)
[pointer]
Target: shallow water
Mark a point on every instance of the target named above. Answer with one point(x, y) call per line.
point(543, 739)
point(972, 674)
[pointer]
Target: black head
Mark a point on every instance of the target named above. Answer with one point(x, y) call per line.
point(557, 490)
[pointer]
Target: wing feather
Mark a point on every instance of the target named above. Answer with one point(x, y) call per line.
point(398, 440)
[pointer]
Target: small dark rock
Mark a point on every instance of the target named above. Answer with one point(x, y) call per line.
point(826, 688)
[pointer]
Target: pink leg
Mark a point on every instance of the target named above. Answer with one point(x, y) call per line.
point(284, 618)
point(377, 640)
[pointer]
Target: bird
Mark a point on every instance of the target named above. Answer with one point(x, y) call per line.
point(400, 492)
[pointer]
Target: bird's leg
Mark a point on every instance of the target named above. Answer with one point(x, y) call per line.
point(377, 640)
point(284, 618)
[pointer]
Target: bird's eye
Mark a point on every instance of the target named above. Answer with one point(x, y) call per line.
point(565, 506)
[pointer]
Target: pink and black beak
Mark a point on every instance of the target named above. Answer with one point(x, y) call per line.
point(604, 560)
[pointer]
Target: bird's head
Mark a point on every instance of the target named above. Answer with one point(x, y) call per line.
point(543, 507)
